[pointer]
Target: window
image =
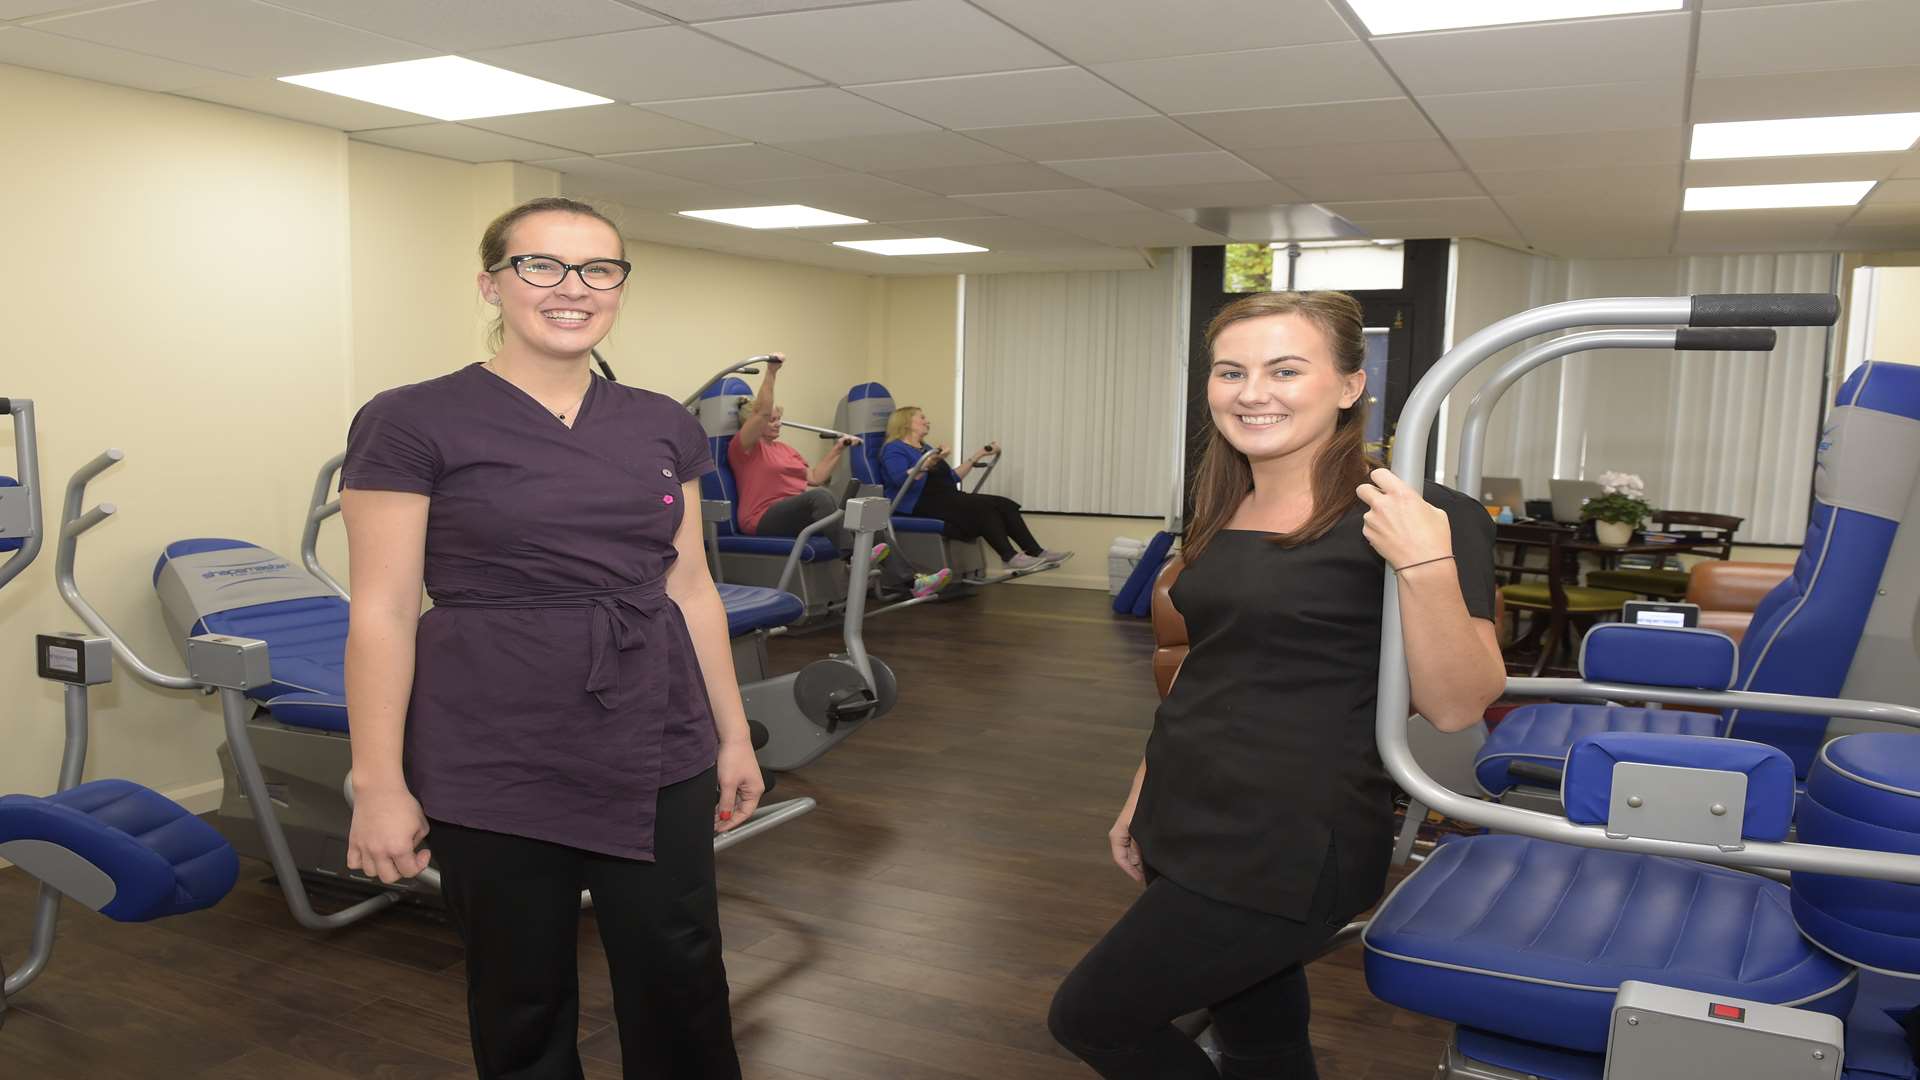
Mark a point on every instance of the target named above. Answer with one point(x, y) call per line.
point(1343, 265)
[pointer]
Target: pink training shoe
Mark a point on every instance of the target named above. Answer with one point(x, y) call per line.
point(880, 553)
point(927, 584)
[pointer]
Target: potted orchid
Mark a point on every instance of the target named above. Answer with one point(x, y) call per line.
point(1618, 512)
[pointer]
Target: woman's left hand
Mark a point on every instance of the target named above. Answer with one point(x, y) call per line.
point(741, 784)
point(1401, 525)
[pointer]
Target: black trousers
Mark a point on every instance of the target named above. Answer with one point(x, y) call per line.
point(992, 518)
point(1176, 952)
point(795, 512)
point(516, 904)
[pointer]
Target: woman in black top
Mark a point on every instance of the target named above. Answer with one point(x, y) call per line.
point(1261, 819)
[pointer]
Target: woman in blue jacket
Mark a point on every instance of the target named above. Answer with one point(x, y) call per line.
point(937, 494)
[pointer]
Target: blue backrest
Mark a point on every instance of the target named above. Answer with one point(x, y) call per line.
point(718, 411)
point(864, 412)
point(1803, 634)
point(306, 636)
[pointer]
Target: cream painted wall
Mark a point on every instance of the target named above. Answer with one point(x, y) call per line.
point(1896, 310)
point(1490, 283)
point(214, 356)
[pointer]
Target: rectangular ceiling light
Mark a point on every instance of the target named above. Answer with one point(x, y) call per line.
point(919, 245)
point(1777, 196)
point(774, 217)
point(1812, 135)
point(1412, 16)
point(447, 88)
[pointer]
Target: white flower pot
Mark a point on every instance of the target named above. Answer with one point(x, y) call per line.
point(1615, 533)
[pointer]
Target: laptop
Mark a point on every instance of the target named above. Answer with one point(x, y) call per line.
point(1503, 491)
point(1570, 495)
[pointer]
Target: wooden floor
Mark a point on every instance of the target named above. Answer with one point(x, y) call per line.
point(912, 928)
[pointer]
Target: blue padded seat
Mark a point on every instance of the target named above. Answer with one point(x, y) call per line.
point(315, 712)
point(162, 860)
point(750, 608)
point(1863, 792)
point(906, 524)
point(818, 549)
point(1544, 733)
point(1531, 940)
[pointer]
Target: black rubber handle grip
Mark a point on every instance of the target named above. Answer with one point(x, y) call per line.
point(1731, 339)
point(6, 406)
point(1765, 309)
point(1535, 773)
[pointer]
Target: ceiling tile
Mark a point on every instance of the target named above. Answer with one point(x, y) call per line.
point(1148, 228)
point(1889, 236)
point(726, 164)
point(1213, 166)
point(1555, 110)
point(1361, 186)
point(697, 10)
point(980, 179)
point(1851, 92)
point(1808, 37)
point(1907, 213)
point(1793, 170)
point(1415, 155)
point(1594, 181)
point(1053, 204)
point(461, 25)
point(907, 39)
point(1046, 96)
point(276, 98)
point(1659, 146)
point(1099, 257)
point(647, 65)
point(1191, 196)
point(793, 115)
point(23, 9)
point(1644, 48)
point(1891, 192)
point(1457, 215)
point(459, 142)
point(1260, 78)
point(653, 191)
point(1605, 243)
point(102, 63)
point(1385, 120)
point(999, 233)
point(1093, 138)
point(867, 197)
point(1758, 230)
point(912, 150)
point(1098, 31)
point(1623, 210)
point(605, 129)
point(1911, 168)
point(233, 35)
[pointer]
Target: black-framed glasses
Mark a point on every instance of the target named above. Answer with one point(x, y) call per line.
point(545, 271)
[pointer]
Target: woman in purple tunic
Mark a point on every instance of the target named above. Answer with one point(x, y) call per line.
point(565, 716)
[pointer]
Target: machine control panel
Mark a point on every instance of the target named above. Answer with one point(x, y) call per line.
point(79, 659)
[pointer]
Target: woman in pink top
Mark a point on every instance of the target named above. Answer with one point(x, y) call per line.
point(780, 494)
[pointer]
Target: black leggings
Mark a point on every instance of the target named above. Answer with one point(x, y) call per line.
point(516, 904)
point(990, 517)
point(1176, 952)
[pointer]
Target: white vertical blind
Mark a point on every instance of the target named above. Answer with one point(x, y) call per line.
point(1069, 372)
point(1727, 433)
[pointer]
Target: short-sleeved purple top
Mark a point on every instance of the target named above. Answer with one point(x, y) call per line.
point(555, 687)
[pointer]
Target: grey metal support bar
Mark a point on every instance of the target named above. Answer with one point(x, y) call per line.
point(744, 367)
point(792, 566)
point(1390, 722)
point(72, 524)
point(1473, 431)
point(319, 508)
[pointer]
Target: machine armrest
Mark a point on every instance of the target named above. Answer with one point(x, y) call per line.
point(1662, 801)
point(1688, 658)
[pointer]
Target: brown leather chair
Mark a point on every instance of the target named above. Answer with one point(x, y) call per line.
point(1728, 592)
point(1169, 629)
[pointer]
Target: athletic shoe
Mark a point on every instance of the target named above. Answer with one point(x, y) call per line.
point(1055, 557)
point(1025, 562)
point(926, 585)
point(880, 553)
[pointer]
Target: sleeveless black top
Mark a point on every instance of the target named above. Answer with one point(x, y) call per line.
point(1262, 767)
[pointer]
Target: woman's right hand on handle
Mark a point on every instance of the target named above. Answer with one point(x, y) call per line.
point(1126, 853)
point(388, 825)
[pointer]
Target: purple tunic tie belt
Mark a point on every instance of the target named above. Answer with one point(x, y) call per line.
point(620, 622)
